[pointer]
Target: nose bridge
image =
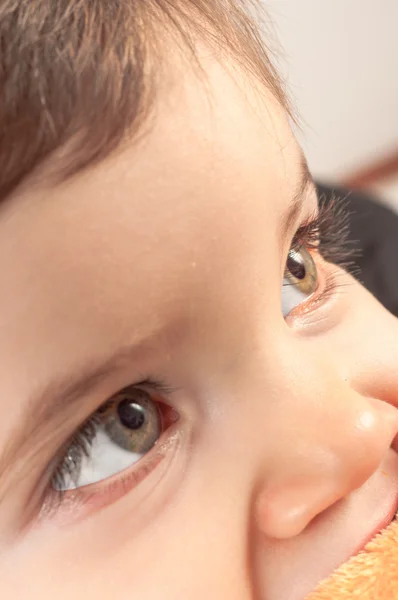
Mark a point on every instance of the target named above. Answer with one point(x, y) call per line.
point(375, 372)
point(300, 394)
point(365, 346)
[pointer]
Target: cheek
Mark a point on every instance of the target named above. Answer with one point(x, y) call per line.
point(367, 331)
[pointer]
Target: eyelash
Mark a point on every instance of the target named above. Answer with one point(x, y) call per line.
point(325, 232)
point(79, 446)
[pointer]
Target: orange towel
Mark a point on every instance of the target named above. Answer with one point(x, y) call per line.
point(370, 575)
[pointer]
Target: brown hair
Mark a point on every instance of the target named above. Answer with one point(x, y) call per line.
point(75, 73)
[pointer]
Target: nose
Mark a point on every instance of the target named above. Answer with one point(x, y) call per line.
point(330, 440)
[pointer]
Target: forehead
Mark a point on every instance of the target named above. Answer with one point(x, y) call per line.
point(154, 228)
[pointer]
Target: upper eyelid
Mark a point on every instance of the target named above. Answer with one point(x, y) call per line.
point(293, 214)
point(30, 451)
point(52, 412)
point(308, 233)
point(301, 220)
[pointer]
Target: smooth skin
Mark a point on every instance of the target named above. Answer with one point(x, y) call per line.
point(280, 463)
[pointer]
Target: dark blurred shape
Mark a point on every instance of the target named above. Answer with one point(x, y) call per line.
point(374, 228)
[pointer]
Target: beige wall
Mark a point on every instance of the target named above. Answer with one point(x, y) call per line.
point(341, 60)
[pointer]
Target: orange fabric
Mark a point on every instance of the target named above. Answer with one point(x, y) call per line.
point(370, 575)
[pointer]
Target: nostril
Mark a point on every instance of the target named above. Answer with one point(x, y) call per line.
point(394, 444)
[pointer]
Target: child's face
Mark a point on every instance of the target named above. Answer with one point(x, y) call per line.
point(167, 262)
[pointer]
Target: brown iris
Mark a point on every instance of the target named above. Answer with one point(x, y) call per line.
point(132, 420)
point(301, 270)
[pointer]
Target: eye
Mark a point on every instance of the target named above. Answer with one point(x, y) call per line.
point(300, 279)
point(118, 435)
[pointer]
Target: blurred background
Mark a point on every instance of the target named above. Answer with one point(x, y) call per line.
point(340, 58)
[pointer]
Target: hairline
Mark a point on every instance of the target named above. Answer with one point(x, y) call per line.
point(66, 158)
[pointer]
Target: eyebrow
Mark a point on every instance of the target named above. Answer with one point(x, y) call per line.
point(65, 395)
point(296, 204)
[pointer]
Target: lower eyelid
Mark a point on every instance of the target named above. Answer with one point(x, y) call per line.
point(325, 290)
point(77, 504)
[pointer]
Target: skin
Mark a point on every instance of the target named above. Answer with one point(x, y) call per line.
point(280, 464)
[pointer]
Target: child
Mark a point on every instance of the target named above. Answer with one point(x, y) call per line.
point(196, 402)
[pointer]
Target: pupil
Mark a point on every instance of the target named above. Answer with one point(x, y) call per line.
point(131, 414)
point(295, 266)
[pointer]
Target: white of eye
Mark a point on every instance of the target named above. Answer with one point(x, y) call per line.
point(291, 296)
point(121, 432)
point(300, 280)
point(105, 458)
